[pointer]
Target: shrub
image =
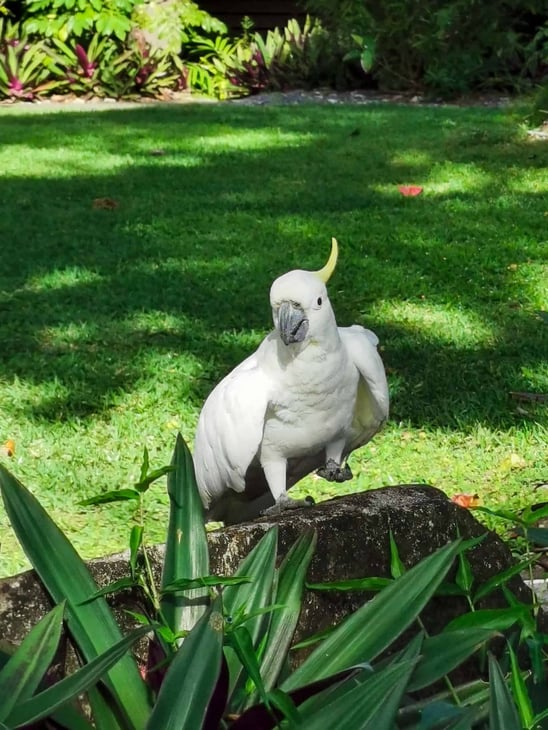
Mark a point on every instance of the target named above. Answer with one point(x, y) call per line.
point(76, 18)
point(447, 47)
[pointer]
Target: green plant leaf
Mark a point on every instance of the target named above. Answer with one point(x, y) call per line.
point(519, 691)
point(370, 705)
point(207, 581)
point(500, 578)
point(46, 702)
point(502, 710)
point(116, 495)
point(464, 578)
point(248, 598)
point(537, 535)
point(27, 667)
point(374, 626)
point(114, 587)
point(67, 578)
point(143, 484)
point(289, 593)
point(135, 542)
point(498, 619)
point(187, 553)
point(240, 640)
point(314, 638)
point(354, 584)
point(397, 568)
point(192, 676)
point(440, 654)
point(533, 514)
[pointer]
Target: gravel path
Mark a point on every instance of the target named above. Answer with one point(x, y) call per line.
point(290, 98)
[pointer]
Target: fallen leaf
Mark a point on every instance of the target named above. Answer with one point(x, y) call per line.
point(410, 191)
point(105, 204)
point(157, 153)
point(468, 501)
point(8, 448)
point(513, 461)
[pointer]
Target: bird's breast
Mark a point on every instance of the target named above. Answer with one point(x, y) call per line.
point(314, 407)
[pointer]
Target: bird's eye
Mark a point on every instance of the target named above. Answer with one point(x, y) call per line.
point(319, 301)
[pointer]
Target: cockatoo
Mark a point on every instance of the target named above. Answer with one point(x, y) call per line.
point(310, 394)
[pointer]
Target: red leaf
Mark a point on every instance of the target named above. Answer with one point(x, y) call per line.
point(466, 500)
point(410, 191)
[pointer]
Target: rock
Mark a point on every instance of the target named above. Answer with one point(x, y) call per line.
point(353, 542)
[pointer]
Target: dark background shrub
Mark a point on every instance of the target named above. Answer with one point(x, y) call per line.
point(447, 47)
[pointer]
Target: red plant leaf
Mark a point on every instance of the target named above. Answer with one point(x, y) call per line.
point(410, 191)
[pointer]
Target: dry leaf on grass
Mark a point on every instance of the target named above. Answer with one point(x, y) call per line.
point(8, 448)
point(468, 501)
point(105, 204)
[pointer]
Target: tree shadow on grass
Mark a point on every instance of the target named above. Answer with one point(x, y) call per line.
point(94, 300)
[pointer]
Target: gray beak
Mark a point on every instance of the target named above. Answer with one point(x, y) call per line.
point(292, 323)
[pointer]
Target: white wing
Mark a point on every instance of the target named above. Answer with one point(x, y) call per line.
point(371, 409)
point(230, 430)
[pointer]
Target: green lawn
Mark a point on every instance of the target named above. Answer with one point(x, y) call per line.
point(116, 323)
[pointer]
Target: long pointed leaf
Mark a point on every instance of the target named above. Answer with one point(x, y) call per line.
point(29, 664)
point(442, 653)
point(191, 678)
point(374, 626)
point(370, 705)
point(187, 553)
point(502, 710)
point(66, 578)
point(519, 690)
point(497, 619)
point(289, 593)
point(249, 598)
point(46, 702)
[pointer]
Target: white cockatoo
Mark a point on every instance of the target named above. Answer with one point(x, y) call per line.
point(310, 394)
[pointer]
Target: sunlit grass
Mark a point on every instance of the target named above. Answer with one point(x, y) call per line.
point(116, 323)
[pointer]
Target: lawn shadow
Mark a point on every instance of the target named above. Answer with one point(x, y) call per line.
point(95, 296)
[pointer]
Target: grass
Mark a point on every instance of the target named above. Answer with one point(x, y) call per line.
point(116, 323)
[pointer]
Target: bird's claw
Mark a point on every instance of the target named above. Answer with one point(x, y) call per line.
point(287, 503)
point(333, 472)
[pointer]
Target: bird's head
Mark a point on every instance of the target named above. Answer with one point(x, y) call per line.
point(300, 306)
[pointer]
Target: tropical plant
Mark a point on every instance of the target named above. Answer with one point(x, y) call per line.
point(25, 71)
point(105, 68)
point(231, 668)
point(290, 57)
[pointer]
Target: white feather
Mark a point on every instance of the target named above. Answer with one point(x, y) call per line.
point(288, 408)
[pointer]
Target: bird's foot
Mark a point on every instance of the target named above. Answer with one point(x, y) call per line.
point(287, 503)
point(334, 472)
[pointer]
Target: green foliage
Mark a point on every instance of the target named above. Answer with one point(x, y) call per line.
point(230, 670)
point(294, 56)
point(173, 25)
point(65, 19)
point(448, 48)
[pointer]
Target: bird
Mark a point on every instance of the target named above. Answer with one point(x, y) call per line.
point(309, 395)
